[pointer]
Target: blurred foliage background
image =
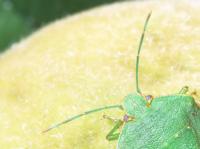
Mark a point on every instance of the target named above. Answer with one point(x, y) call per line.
point(18, 18)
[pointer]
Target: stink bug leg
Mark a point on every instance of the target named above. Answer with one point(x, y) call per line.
point(112, 135)
point(110, 118)
point(196, 98)
point(184, 90)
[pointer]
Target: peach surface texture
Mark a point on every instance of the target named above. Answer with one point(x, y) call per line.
point(87, 60)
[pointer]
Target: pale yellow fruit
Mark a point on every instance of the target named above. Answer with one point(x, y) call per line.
point(88, 60)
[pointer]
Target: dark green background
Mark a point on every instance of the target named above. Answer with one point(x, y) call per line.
point(18, 18)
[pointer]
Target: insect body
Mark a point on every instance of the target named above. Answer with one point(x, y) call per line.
point(171, 122)
point(166, 122)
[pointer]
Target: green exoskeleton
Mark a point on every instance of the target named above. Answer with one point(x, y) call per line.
point(171, 122)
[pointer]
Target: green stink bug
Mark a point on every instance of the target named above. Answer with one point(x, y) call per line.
point(171, 121)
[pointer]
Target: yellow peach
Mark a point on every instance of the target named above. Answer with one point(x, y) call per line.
point(87, 61)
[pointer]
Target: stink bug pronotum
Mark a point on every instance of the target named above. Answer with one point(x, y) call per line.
point(171, 122)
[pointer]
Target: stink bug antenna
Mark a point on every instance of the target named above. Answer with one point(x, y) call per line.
point(138, 54)
point(83, 114)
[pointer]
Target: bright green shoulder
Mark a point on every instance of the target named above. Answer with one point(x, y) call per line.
point(172, 101)
point(135, 104)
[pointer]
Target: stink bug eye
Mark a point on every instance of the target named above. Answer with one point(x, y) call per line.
point(149, 98)
point(127, 118)
point(171, 121)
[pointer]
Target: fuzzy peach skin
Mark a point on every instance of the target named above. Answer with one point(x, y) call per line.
point(87, 61)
